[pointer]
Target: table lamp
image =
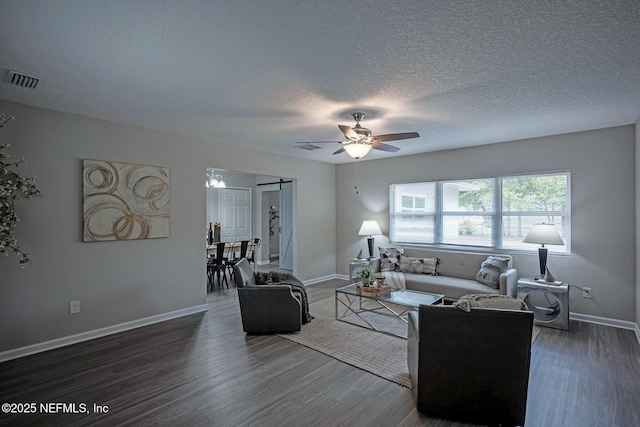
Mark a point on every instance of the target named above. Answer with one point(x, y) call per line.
point(370, 228)
point(544, 234)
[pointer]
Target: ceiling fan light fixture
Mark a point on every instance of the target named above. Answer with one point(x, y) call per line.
point(359, 140)
point(357, 150)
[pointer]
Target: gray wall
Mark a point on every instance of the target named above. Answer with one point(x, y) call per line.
point(602, 165)
point(637, 181)
point(117, 282)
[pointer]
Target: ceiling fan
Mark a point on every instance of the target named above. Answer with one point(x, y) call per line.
point(360, 141)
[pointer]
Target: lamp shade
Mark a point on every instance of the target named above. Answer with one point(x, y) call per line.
point(369, 227)
point(544, 234)
point(357, 149)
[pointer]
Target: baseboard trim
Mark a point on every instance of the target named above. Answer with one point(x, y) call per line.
point(606, 321)
point(320, 279)
point(97, 333)
point(109, 330)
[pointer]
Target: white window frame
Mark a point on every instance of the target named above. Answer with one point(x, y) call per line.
point(496, 215)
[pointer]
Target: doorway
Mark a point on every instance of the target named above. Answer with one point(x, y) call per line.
point(243, 210)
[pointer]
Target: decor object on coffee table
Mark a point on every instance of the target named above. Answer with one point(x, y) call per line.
point(365, 274)
point(543, 234)
point(482, 359)
point(370, 228)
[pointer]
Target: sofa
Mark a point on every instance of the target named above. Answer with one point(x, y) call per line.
point(455, 275)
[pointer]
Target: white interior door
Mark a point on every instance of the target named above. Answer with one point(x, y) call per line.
point(286, 225)
point(235, 214)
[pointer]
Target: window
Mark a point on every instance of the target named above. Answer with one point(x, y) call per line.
point(487, 212)
point(528, 200)
point(467, 212)
point(414, 211)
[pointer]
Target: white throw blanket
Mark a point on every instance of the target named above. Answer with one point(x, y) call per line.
point(395, 279)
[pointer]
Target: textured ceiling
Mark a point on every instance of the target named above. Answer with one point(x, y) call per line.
point(265, 74)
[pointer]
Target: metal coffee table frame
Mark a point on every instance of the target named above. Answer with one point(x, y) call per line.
point(351, 300)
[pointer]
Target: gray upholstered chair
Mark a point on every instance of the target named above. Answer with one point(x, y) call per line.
point(470, 366)
point(265, 308)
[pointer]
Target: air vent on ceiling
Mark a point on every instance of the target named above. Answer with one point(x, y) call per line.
point(309, 147)
point(23, 80)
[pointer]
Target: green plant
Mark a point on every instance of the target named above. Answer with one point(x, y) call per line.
point(13, 187)
point(465, 227)
point(365, 272)
point(273, 215)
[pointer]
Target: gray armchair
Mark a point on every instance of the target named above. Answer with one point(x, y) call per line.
point(471, 367)
point(265, 308)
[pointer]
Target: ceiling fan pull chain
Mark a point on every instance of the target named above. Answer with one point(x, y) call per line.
point(355, 176)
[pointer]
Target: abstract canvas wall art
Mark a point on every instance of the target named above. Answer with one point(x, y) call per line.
point(124, 201)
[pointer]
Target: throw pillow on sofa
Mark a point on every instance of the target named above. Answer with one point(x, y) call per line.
point(429, 266)
point(490, 271)
point(410, 265)
point(418, 265)
point(390, 258)
point(503, 302)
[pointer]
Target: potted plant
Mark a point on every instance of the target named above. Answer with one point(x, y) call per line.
point(365, 275)
point(13, 187)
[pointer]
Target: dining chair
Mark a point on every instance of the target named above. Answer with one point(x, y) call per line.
point(251, 253)
point(244, 245)
point(217, 265)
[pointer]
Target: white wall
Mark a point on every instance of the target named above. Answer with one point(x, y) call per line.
point(603, 196)
point(118, 282)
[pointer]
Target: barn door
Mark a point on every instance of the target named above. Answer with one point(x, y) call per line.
point(286, 226)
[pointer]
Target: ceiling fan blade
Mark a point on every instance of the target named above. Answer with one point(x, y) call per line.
point(339, 151)
point(394, 136)
point(384, 147)
point(321, 142)
point(348, 132)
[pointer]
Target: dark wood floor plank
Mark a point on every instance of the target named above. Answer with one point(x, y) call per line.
point(204, 370)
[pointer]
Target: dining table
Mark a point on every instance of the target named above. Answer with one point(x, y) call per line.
point(232, 247)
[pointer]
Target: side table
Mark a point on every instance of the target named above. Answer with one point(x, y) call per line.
point(549, 303)
point(355, 266)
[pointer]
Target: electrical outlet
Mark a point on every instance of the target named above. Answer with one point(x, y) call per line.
point(586, 293)
point(74, 307)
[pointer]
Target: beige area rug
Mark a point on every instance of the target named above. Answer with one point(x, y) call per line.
point(379, 353)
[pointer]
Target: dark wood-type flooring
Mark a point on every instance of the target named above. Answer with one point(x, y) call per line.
point(204, 370)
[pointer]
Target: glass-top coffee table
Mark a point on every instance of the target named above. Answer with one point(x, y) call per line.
point(353, 302)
